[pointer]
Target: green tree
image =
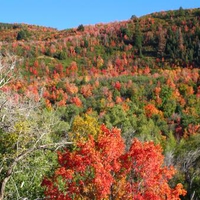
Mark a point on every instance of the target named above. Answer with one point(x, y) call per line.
point(181, 12)
point(138, 37)
point(61, 55)
point(80, 28)
point(23, 35)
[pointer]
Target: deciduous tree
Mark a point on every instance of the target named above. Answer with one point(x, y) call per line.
point(101, 169)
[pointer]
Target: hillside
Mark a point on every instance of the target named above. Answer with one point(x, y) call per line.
point(172, 35)
point(141, 75)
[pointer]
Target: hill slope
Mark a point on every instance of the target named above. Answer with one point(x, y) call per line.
point(141, 75)
point(172, 35)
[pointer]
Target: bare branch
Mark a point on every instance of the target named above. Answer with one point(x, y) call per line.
point(7, 65)
point(190, 158)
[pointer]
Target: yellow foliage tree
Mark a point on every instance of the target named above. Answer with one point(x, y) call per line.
point(82, 127)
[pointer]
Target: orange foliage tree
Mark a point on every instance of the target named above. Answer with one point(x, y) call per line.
point(150, 110)
point(101, 169)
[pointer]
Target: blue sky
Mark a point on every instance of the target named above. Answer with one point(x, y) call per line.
point(63, 14)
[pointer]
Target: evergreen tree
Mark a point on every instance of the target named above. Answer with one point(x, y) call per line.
point(138, 38)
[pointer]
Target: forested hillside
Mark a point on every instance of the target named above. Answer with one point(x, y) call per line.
point(109, 111)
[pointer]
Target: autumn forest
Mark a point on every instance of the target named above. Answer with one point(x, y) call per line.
point(106, 111)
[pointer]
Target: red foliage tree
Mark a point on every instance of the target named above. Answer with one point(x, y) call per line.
point(86, 90)
point(117, 85)
point(100, 169)
point(76, 101)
